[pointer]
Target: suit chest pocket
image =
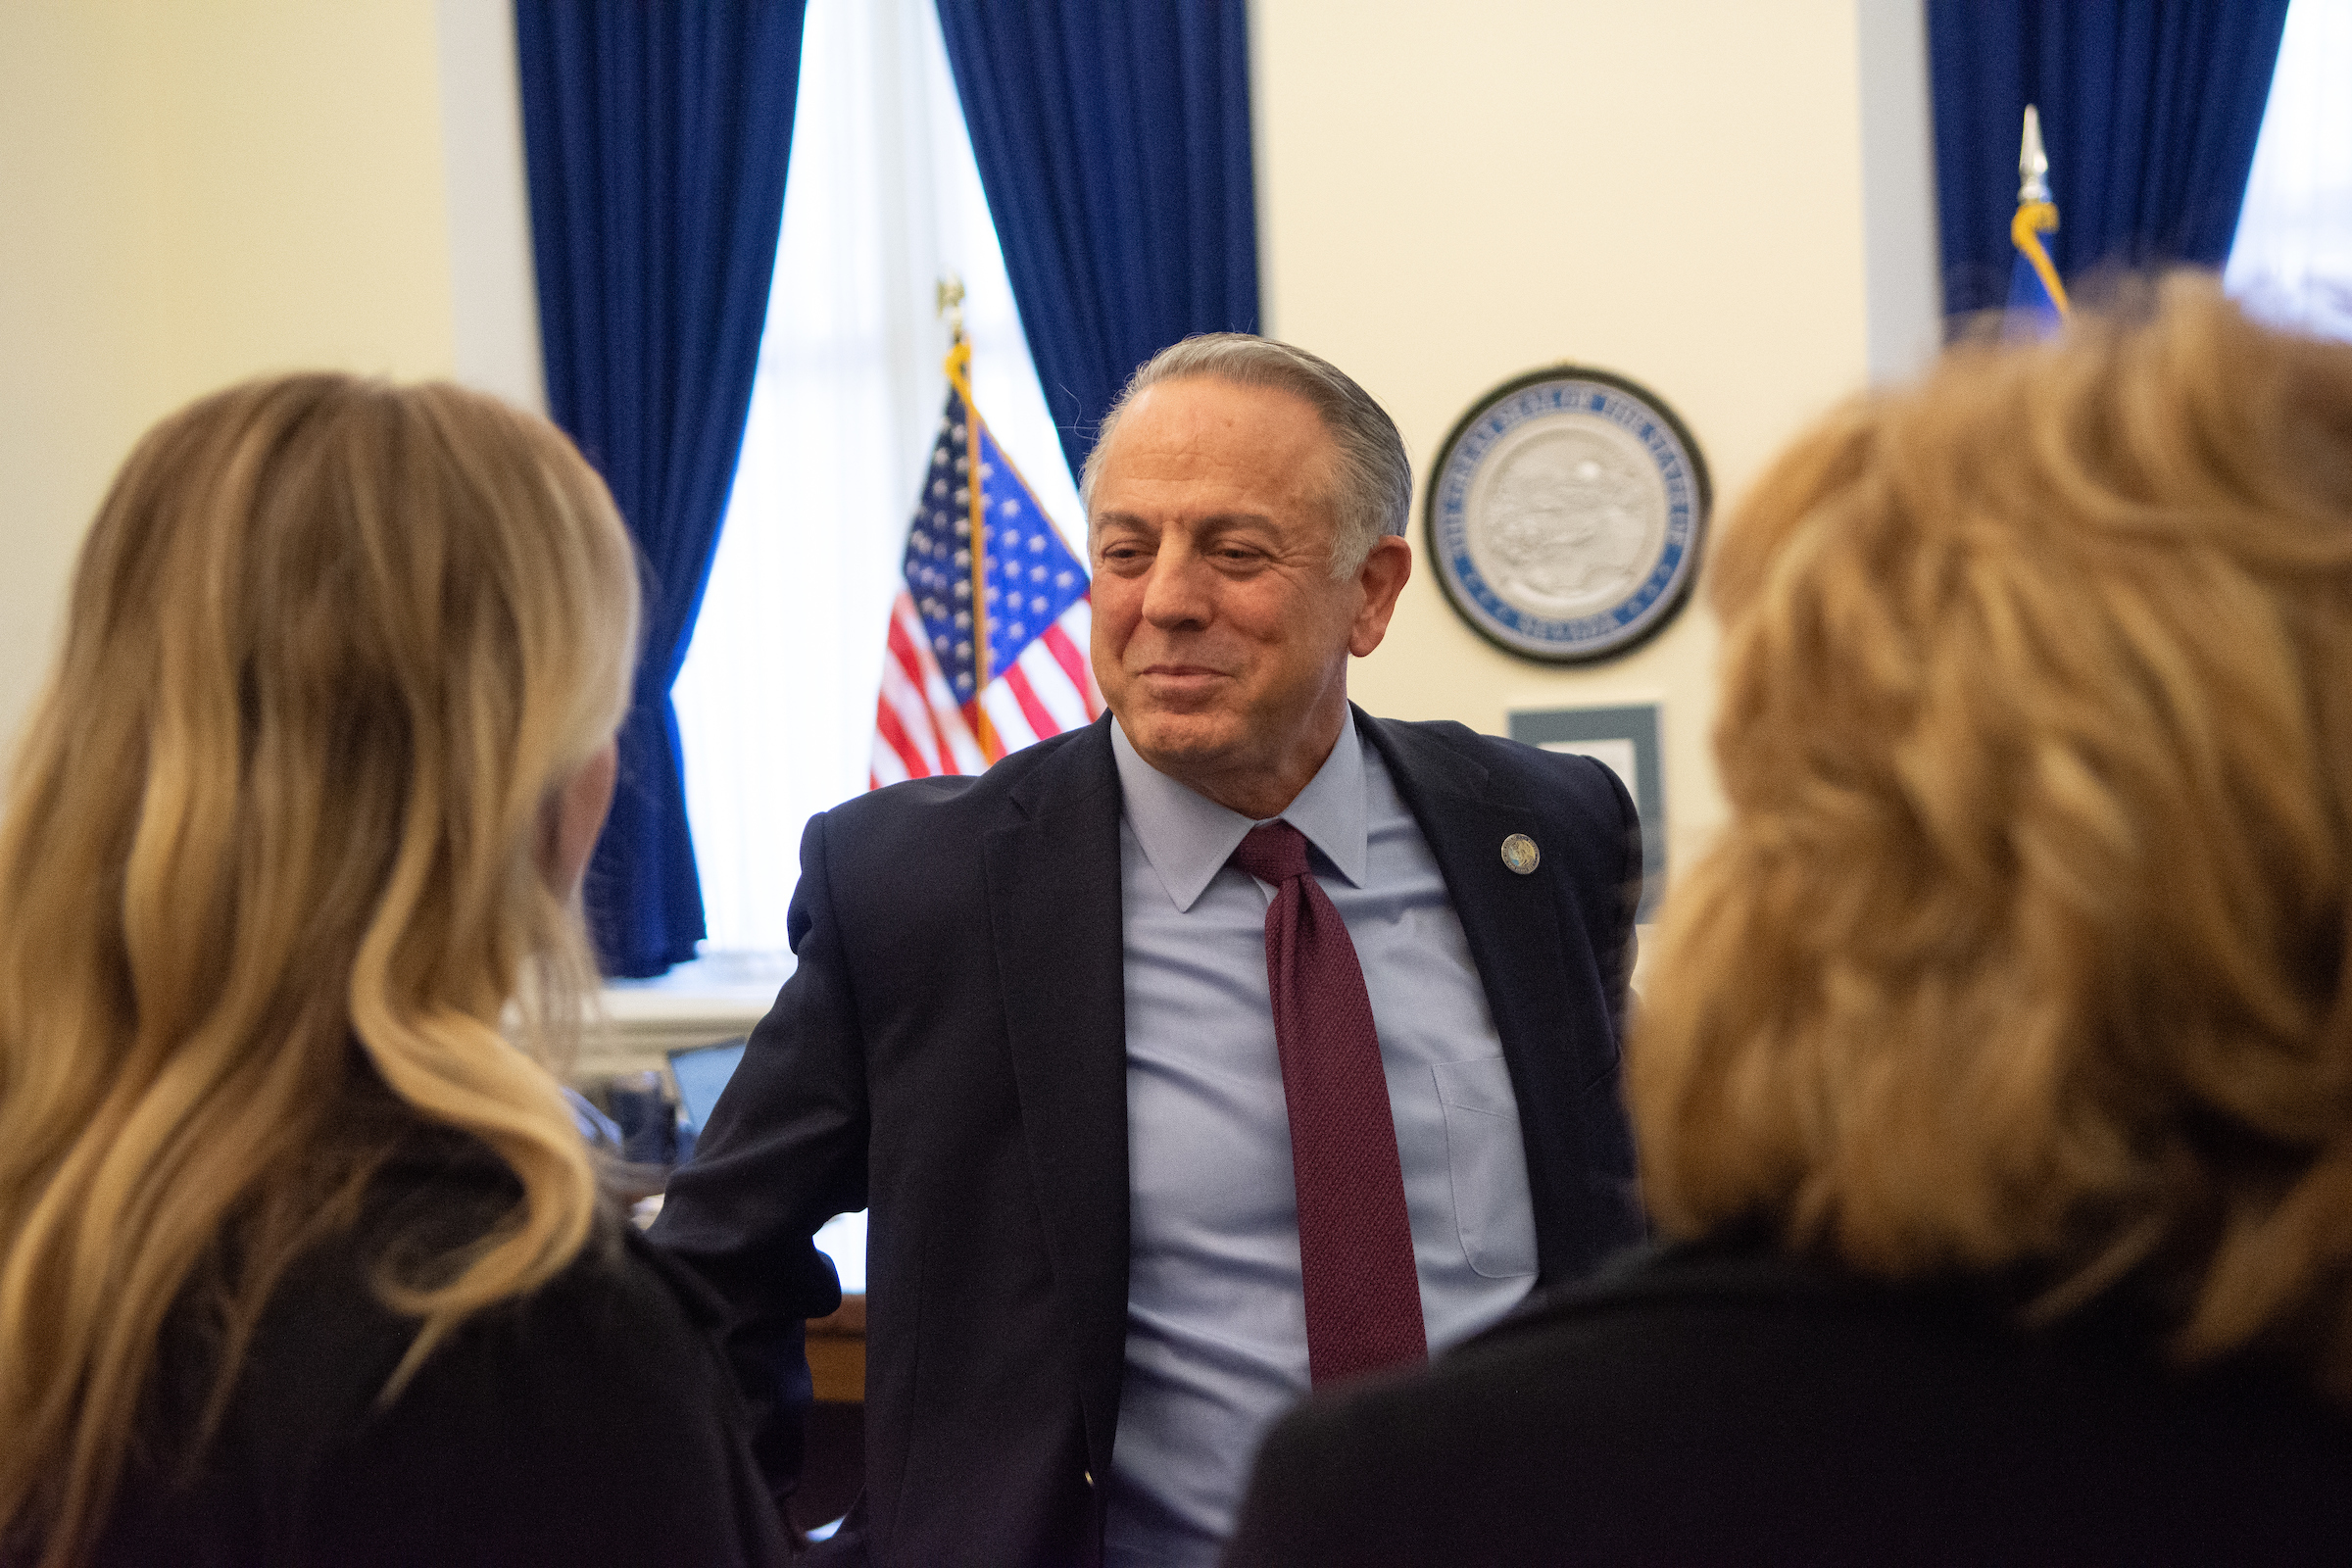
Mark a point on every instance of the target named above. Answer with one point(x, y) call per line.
point(1489, 1166)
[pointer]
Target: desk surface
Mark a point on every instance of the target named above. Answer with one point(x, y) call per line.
point(837, 1352)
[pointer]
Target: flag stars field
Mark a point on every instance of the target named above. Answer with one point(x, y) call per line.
point(948, 706)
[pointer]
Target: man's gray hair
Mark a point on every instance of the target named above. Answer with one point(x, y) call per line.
point(1373, 480)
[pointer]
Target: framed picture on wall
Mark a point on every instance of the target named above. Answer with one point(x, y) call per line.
point(1626, 739)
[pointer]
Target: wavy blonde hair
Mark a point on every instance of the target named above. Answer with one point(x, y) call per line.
point(270, 867)
point(2025, 951)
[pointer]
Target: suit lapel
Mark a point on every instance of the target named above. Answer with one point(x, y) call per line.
point(1054, 911)
point(1513, 926)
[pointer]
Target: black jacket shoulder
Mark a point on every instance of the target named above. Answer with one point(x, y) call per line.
point(592, 1420)
point(1735, 1406)
point(1074, 763)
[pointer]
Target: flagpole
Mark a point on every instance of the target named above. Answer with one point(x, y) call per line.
point(958, 367)
point(2036, 213)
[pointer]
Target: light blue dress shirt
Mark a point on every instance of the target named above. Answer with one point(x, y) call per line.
point(1216, 1321)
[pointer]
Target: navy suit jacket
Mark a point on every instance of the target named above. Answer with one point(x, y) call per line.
point(951, 1053)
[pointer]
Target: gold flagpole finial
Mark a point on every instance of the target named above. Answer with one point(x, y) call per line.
point(959, 350)
point(951, 303)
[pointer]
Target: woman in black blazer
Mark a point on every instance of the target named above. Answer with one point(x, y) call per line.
point(1995, 1081)
point(302, 1257)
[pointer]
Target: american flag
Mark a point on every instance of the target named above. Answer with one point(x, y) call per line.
point(954, 702)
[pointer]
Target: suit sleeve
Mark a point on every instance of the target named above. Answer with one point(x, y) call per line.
point(1601, 883)
point(1604, 880)
point(784, 1151)
point(1622, 944)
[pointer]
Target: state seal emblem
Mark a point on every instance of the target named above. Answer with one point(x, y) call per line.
point(1565, 514)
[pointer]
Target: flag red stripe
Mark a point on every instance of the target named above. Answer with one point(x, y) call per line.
point(921, 760)
point(1052, 685)
point(992, 745)
point(1066, 655)
point(916, 710)
point(894, 735)
point(958, 750)
point(1041, 720)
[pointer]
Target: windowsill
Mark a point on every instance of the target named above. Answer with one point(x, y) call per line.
point(716, 996)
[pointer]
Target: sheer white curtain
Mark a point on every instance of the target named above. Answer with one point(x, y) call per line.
point(2291, 258)
point(776, 701)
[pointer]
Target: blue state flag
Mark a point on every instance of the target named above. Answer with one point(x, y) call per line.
point(2036, 297)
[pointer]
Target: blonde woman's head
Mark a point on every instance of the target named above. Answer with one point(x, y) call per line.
point(289, 830)
point(2025, 948)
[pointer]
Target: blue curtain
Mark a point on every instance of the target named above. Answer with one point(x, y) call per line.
point(656, 136)
point(2149, 114)
point(1113, 142)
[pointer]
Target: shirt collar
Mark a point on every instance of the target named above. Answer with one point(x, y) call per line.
point(1188, 838)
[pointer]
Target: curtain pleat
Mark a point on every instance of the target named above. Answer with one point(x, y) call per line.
point(655, 137)
point(2150, 109)
point(1113, 142)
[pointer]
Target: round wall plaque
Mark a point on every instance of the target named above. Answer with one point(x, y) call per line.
point(1565, 514)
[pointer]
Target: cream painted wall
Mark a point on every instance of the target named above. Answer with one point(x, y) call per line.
point(70, 325)
point(191, 194)
point(1449, 196)
point(1452, 196)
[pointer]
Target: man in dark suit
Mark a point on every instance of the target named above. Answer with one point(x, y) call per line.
point(1237, 1041)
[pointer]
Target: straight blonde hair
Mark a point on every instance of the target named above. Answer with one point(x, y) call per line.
point(2026, 949)
point(270, 867)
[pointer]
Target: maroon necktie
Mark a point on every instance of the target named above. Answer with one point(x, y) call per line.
point(1356, 1245)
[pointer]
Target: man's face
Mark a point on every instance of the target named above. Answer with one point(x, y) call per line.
point(1221, 640)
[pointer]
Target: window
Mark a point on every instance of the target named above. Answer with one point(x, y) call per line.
point(2291, 259)
point(776, 700)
